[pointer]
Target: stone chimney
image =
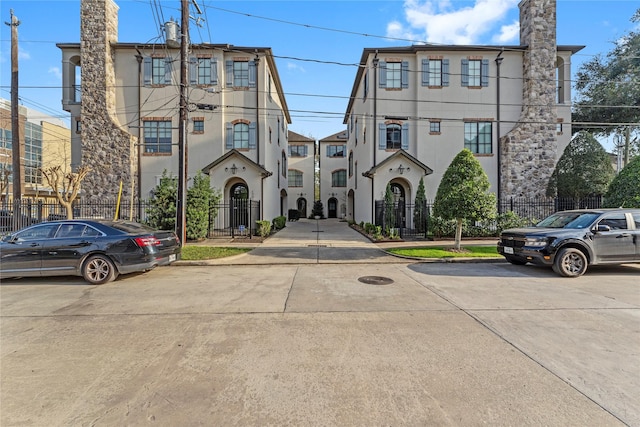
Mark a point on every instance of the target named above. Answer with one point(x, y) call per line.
point(529, 150)
point(106, 147)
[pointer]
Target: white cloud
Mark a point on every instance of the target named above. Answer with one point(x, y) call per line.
point(508, 33)
point(56, 72)
point(23, 54)
point(295, 67)
point(438, 21)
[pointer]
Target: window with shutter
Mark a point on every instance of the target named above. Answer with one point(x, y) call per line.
point(394, 75)
point(241, 136)
point(241, 74)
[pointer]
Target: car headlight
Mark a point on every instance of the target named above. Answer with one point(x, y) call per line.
point(536, 242)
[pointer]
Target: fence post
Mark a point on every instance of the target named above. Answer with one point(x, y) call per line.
point(249, 227)
point(39, 211)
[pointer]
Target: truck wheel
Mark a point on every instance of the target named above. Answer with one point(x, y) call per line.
point(570, 262)
point(98, 269)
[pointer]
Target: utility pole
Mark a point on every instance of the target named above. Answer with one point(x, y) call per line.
point(16, 150)
point(181, 210)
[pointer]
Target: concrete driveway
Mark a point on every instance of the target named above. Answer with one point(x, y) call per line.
point(312, 344)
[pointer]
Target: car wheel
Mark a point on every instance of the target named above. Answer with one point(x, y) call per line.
point(98, 269)
point(516, 261)
point(570, 262)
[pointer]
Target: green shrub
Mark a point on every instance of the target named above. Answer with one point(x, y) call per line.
point(161, 213)
point(279, 222)
point(263, 228)
point(510, 220)
point(624, 191)
point(369, 228)
point(377, 234)
point(199, 198)
point(440, 227)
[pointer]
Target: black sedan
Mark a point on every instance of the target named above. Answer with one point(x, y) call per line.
point(98, 250)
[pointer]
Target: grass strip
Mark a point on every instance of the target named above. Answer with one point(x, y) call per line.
point(197, 253)
point(447, 252)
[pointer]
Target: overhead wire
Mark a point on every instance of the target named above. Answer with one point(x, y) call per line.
point(156, 8)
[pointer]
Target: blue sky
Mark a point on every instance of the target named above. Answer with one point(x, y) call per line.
point(316, 43)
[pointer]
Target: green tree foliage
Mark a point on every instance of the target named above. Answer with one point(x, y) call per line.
point(463, 193)
point(584, 169)
point(162, 209)
point(607, 89)
point(199, 198)
point(420, 210)
point(625, 188)
point(318, 209)
point(389, 220)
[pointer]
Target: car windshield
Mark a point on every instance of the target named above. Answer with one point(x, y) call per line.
point(569, 220)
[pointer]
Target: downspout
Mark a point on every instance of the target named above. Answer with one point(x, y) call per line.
point(375, 131)
point(499, 59)
point(139, 186)
point(257, 62)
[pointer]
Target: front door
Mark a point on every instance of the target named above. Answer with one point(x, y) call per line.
point(239, 205)
point(302, 207)
point(398, 201)
point(332, 207)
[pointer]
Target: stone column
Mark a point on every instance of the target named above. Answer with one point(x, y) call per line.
point(106, 147)
point(529, 150)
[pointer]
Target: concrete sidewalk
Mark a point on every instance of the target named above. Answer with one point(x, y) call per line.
point(328, 241)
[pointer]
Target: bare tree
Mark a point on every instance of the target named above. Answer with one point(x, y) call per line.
point(65, 185)
point(4, 184)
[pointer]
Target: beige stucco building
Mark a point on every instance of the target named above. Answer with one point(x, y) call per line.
point(124, 101)
point(333, 174)
point(301, 174)
point(413, 109)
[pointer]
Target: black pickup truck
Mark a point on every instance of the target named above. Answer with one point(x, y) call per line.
point(570, 241)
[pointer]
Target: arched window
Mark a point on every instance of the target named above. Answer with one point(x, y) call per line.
point(394, 137)
point(339, 178)
point(241, 135)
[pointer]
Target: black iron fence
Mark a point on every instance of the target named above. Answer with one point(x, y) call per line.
point(234, 219)
point(415, 221)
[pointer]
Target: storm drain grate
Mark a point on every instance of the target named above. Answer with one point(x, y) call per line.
point(375, 280)
point(317, 246)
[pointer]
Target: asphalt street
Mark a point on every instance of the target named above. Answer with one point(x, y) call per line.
point(292, 335)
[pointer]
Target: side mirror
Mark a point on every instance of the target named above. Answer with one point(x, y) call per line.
point(603, 227)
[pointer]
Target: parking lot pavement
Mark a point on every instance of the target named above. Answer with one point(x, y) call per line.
point(442, 344)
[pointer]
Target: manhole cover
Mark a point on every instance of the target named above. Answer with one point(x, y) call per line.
point(375, 280)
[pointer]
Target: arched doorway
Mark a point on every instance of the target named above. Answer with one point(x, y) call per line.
point(302, 207)
point(399, 203)
point(332, 207)
point(239, 194)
